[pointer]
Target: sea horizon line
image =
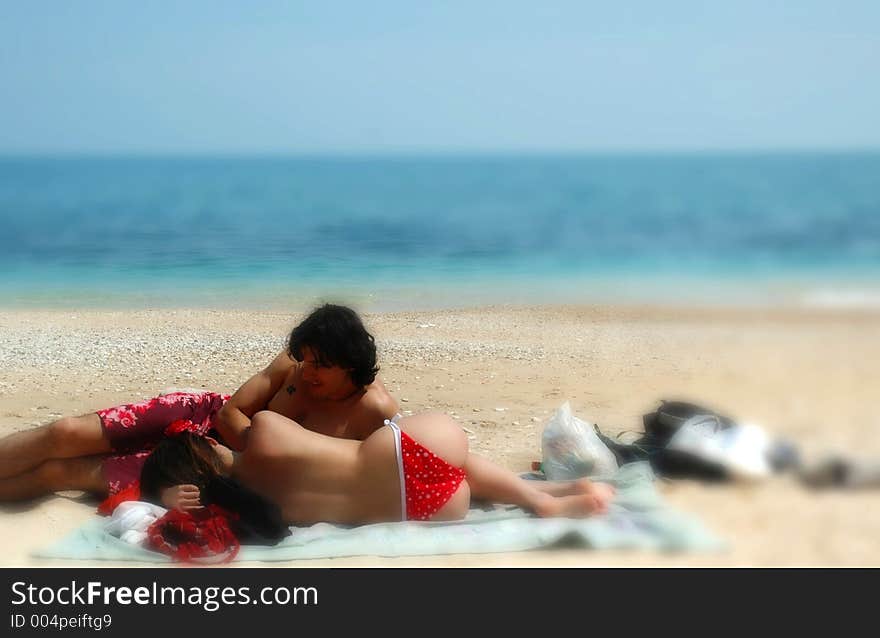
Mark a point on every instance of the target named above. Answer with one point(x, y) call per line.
point(439, 153)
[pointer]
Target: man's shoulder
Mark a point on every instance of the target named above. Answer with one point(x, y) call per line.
point(374, 407)
point(281, 367)
point(376, 401)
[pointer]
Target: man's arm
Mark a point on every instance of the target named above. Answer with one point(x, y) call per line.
point(234, 418)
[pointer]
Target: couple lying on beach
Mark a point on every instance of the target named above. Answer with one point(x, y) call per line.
point(315, 433)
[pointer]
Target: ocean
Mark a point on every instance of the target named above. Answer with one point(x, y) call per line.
point(391, 233)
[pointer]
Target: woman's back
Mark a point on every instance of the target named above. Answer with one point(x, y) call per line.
point(313, 477)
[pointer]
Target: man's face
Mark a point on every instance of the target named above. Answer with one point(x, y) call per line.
point(323, 381)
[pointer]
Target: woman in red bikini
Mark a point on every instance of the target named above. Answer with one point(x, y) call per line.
point(417, 468)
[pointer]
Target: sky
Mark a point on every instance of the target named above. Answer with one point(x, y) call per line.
point(455, 76)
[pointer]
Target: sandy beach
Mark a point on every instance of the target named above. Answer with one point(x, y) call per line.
point(809, 376)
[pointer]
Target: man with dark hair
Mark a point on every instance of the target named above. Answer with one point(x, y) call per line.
point(338, 337)
point(325, 381)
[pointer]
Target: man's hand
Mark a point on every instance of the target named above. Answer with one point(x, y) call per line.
point(182, 497)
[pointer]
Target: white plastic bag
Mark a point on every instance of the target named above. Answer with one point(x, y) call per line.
point(571, 449)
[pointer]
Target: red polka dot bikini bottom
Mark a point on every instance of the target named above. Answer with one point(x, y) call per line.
point(427, 481)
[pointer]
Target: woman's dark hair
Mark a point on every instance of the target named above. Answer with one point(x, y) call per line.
point(337, 336)
point(182, 459)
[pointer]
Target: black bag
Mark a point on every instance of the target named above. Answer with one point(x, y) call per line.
point(660, 426)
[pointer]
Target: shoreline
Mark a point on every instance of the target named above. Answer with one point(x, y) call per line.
point(500, 371)
point(411, 292)
point(625, 306)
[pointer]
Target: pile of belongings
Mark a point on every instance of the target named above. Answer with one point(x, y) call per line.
point(680, 440)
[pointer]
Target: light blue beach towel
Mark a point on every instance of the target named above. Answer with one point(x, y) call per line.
point(637, 519)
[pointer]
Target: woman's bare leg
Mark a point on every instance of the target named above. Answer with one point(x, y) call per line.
point(553, 488)
point(567, 488)
point(496, 484)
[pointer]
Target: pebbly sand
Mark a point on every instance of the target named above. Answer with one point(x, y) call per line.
point(810, 376)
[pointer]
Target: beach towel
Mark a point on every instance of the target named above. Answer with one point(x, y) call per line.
point(637, 519)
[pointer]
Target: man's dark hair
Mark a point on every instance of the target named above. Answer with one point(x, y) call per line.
point(337, 336)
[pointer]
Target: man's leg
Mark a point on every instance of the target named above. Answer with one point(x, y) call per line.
point(82, 473)
point(63, 439)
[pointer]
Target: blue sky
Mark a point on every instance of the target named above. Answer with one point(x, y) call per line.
point(380, 76)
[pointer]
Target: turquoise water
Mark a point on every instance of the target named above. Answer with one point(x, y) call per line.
point(419, 232)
